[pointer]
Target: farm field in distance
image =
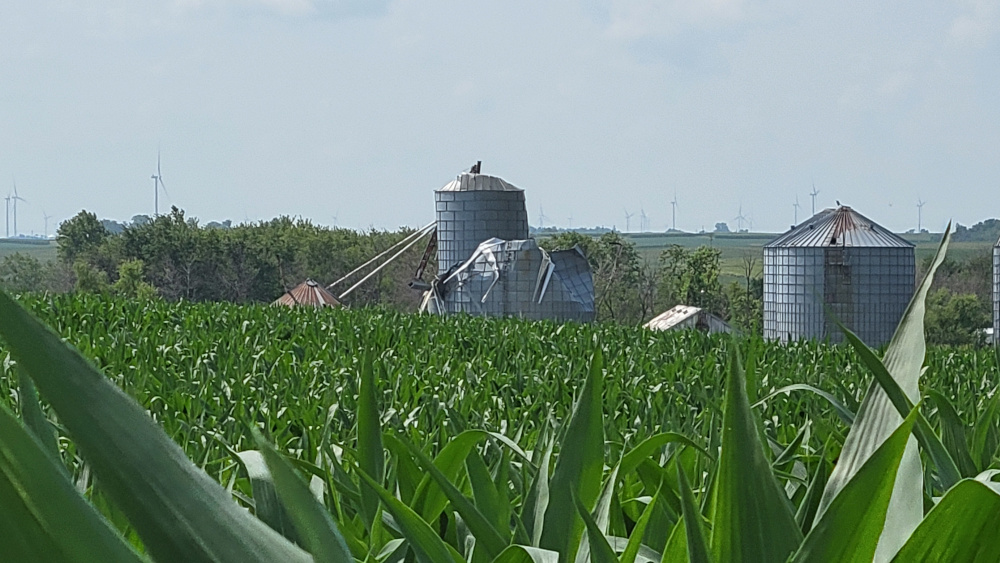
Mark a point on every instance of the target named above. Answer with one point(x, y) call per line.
point(734, 246)
point(37, 248)
point(208, 373)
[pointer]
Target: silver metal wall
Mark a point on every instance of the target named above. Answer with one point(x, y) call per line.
point(996, 294)
point(467, 218)
point(868, 289)
point(517, 278)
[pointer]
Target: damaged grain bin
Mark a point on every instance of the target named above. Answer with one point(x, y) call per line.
point(487, 265)
point(996, 293)
point(842, 262)
point(472, 208)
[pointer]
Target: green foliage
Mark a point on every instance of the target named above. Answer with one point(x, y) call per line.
point(252, 262)
point(130, 281)
point(80, 237)
point(89, 279)
point(20, 272)
point(956, 319)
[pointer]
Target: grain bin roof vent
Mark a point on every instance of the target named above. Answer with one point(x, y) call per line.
point(840, 226)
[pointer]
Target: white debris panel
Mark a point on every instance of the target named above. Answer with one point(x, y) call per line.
point(516, 278)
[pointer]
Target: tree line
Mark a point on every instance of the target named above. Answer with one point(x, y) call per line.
point(174, 257)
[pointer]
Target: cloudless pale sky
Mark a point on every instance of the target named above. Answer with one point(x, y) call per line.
point(359, 109)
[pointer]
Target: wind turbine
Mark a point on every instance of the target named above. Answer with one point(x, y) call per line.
point(643, 220)
point(541, 218)
point(739, 220)
point(157, 185)
point(796, 206)
point(814, 193)
point(571, 221)
point(920, 210)
point(628, 218)
point(15, 198)
point(7, 217)
point(673, 213)
point(47, 217)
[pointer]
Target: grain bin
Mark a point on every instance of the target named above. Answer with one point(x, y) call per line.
point(996, 294)
point(841, 261)
point(474, 208)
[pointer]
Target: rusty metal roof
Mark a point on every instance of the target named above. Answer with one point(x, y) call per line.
point(841, 226)
point(468, 182)
point(308, 293)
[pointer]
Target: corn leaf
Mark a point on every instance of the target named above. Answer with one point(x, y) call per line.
point(526, 554)
point(961, 527)
point(486, 535)
point(600, 549)
point(697, 548)
point(850, 528)
point(44, 517)
point(313, 524)
point(428, 546)
point(371, 455)
point(578, 469)
point(635, 539)
point(751, 515)
point(180, 513)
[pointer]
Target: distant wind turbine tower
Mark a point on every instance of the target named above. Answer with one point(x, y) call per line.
point(920, 210)
point(16, 198)
point(796, 206)
point(740, 220)
point(673, 213)
point(7, 217)
point(541, 218)
point(628, 218)
point(570, 218)
point(643, 220)
point(814, 193)
point(157, 186)
point(47, 217)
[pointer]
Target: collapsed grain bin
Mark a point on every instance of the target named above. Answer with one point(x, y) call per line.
point(516, 278)
point(487, 265)
point(683, 317)
point(996, 293)
point(473, 208)
point(308, 294)
point(842, 262)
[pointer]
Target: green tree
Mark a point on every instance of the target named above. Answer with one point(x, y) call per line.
point(130, 282)
point(80, 236)
point(691, 277)
point(20, 272)
point(956, 318)
point(89, 279)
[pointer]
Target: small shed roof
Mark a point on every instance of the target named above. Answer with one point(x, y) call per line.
point(469, 182)
point(308, 293)
point(680, 313)
point(841, 226)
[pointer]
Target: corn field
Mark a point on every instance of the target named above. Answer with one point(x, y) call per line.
point(218, 432)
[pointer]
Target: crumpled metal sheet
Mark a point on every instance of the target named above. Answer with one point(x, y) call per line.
point(516, 278)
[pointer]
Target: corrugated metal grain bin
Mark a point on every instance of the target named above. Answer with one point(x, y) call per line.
point(840, 260)
point(473, 208)
point(996, 293)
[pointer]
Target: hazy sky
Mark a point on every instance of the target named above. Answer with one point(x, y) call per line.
point(360, 109)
